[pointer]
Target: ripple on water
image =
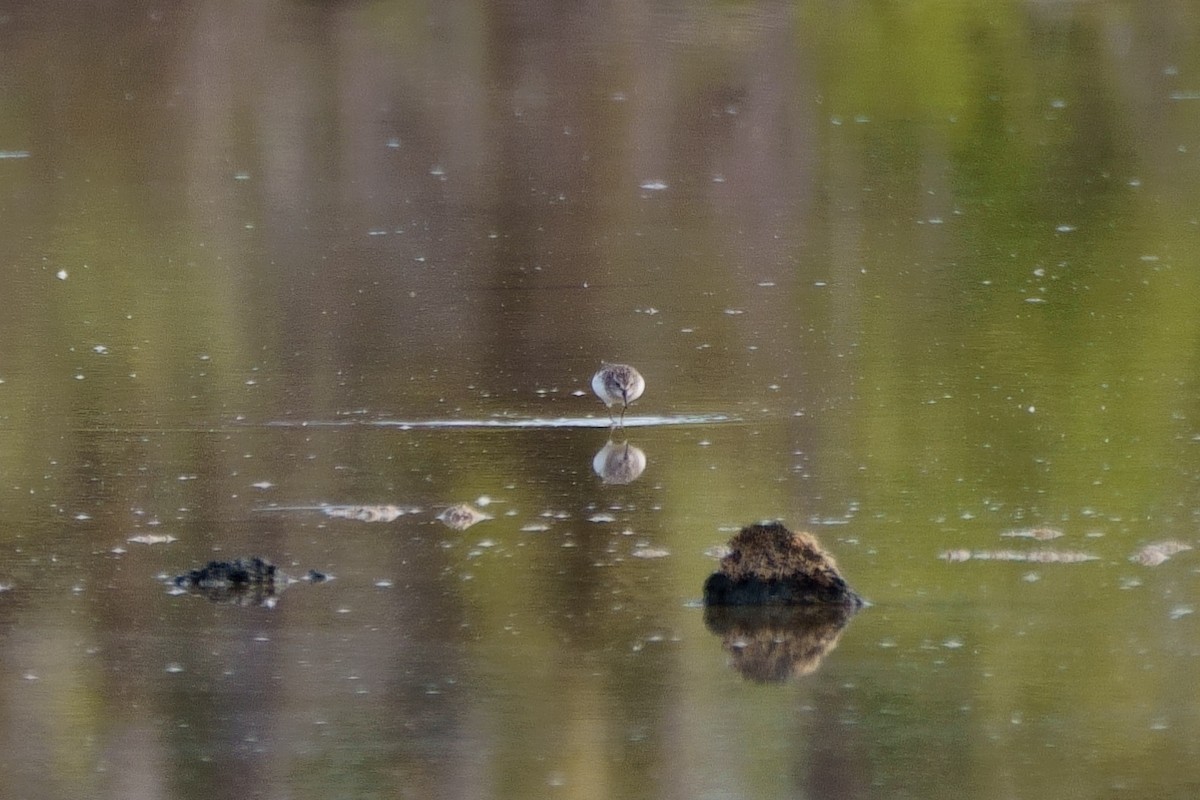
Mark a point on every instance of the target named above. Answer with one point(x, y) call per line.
point(513, 422)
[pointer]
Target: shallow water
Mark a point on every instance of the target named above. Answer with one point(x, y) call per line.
point(297, 280)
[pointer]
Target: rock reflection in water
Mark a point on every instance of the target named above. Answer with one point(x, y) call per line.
point(619, 462)
point(772, 643)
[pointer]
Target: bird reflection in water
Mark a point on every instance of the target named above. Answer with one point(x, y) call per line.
point(619, 462)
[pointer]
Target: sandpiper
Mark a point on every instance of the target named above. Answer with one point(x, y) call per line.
point(617, 383)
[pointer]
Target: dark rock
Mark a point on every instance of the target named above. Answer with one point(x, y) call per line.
point(242, 572)
point(769, 565)
point(250, 581)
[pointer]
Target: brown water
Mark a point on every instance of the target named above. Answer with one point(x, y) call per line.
point(910, 276)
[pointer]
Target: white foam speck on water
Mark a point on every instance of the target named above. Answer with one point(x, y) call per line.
point(151, 538)
point(654, 185)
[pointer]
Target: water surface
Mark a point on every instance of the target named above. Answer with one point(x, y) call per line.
point(294, 279)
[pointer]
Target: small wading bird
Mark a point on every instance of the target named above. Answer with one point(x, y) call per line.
point(617, 383)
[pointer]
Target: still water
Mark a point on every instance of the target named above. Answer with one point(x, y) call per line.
point(296, 279)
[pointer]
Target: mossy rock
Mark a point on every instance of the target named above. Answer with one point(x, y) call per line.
point(768, 564)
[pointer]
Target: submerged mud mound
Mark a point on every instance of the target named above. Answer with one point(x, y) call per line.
point(771, 643)
point(250, 581)
point(229, 574)
point(769, 565)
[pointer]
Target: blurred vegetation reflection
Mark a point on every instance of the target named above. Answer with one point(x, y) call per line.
point(935, 261)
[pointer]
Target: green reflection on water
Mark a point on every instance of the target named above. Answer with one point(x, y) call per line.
point(935, 261)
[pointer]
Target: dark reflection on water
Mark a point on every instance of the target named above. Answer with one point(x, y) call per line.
point(296, 279)
point(774, 643)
